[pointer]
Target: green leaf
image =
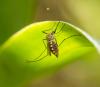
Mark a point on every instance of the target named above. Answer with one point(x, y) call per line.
point(27, 44)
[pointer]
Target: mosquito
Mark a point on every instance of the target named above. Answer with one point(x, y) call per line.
point(52, 46)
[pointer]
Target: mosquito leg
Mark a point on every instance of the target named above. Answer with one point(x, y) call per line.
point(56, 27)
point(38, 59)
point(52, 28)
point(48, 29)
point(44, 43)
point(41, 53)
point(57, 34)
point(60, 29)
point(68, 38)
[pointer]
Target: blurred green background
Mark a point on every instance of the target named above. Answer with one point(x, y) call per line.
point(15, 14)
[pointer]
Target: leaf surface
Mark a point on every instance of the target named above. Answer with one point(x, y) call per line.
point(27, 44)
